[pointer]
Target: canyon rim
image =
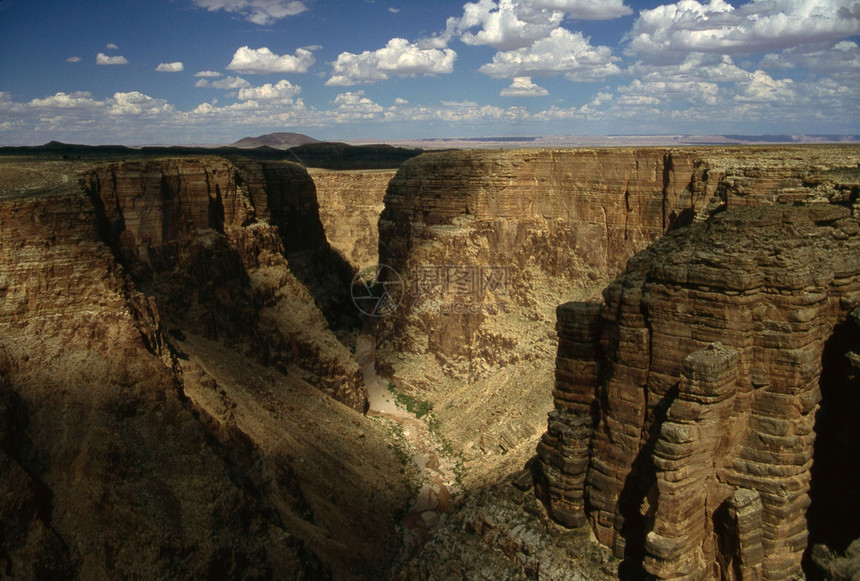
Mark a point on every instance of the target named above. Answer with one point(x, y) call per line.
point(606, 362)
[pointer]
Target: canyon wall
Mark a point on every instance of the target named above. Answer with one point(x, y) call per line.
point(488, 243)
point(685, 406)
point(157, 418)
point(350, 205)
point(166, 333)
point(97, 440)
point(478, 233)
point(210, 241)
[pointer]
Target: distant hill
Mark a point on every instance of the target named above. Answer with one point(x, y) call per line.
point(319, 154)
point(276, 140)
point(334, 155)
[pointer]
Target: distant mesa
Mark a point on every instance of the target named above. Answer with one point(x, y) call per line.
point(275, 140)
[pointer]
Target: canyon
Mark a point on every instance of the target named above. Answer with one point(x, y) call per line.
point(624, 363)
point(698, 379)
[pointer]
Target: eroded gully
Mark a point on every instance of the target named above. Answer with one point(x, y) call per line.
point(428, 509)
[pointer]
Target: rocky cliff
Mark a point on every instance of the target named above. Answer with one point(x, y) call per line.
point(685, 406)
point(549, 219)
point(84, 455)
point(166, 337)
point(350, 205)
point(156, 418)
point(488, 243)
point(210, 241)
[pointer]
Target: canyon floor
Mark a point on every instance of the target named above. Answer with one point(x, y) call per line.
point(188, 389)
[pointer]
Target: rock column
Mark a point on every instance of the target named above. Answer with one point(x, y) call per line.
point(680, 544)
point(741, 550)
point(563, 451)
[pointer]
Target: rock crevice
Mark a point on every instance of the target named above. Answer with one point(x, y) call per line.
point(210, 240)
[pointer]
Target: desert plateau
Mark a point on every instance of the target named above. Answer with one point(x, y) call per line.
point(571, 363)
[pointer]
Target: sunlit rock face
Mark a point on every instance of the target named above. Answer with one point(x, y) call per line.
point(162, 371)
point(685, 406)
point(105, 468)
point(166, 338)
point(508, 234)
point(350, 205)
point(684, 422)
point(554, 222)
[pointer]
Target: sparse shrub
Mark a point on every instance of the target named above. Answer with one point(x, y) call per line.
point(413, 405)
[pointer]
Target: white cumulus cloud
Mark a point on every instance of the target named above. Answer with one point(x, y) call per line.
point(135, 103)
point(696, 66)
point(170, 67)
point(652, 92)
point(262, 12)
point(111, 46)
point(561, 52)
point(76, 100)
point(586, 9)
point(840, 60)
point(73, 59)
point(282, 90)
point(513, 24)
point(207, 74)
point(231, 83)
point(227, 83)
point(761, 87)
point(399, 57)
point(352, 106)
point(523, 87)
point(103, 59)
point(502, 25)
point(455, 114)
point(262, 60)
point(668, 32)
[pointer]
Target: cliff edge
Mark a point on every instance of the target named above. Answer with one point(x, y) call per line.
point(163, 371)
point(687, 405)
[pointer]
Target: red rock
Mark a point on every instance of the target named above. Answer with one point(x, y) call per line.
point(714, 434)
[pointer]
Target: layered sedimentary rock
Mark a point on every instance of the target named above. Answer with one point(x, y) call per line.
point(203, 279)
point(702, 411)
point(683, 459)
point(550, 221)
point(140, 434)
point(96, 438)
point(210, 240)
point(488, 243)
point(564, 448)
point(350, 205)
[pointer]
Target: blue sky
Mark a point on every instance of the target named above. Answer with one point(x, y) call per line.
point(213, 71)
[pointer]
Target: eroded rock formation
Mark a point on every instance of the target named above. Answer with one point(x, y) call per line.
point(488, 243)
point(350, 205)
point(140, 433)
point(551, 221)
point(97, 440)
point(685, 406)
point(211, 241)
